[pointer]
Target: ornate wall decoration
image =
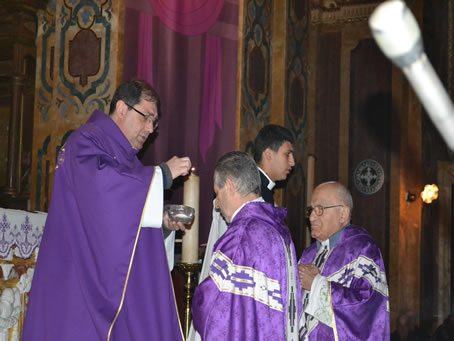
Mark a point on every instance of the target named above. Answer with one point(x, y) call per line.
point(79, 64)
point(341, 11)
point(368, 176)
point(274, 82)
point(297, 85)
point(85, 44)
point(45, 62)
point(43, 124)
point(257, 51)
point(296, 93)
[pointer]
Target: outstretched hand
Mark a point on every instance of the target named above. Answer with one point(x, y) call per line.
point(172, 224)
point(179, 166)
point(307, 273)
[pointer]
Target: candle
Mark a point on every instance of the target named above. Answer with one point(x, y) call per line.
point(190, 247)
point(309, 189)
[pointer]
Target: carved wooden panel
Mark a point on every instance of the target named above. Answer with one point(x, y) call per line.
point(370, 138)
point(443, 290)
point(295, 115)
point(255, 64)
point(328, 103)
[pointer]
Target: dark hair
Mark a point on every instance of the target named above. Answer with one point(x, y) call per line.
point(270, 136)
point(132, 92)
point(241, 169)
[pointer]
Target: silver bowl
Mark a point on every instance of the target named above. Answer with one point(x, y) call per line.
point(181, 213)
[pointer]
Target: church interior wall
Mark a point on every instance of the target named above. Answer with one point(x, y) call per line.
point(345, 104)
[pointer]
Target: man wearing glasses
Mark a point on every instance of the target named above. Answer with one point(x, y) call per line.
point(102, 271)
point(345, 292)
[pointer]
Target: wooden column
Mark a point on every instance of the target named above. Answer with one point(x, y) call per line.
point(17, 72)
point(13, 165)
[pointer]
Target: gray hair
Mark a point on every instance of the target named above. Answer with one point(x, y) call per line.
point(343, 194)
point(241, 169)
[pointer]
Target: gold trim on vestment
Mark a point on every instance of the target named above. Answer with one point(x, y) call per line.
point(336, 337)
point(130, 262)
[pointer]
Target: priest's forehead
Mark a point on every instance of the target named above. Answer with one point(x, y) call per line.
point(330, 193)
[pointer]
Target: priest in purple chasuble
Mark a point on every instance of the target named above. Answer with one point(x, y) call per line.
point(345, 292)
point(252, 291)
point(102, 271)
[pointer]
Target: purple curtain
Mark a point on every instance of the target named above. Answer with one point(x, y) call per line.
point(188, 17)
point(212, 95)
point(145, 56)
point(196, 86)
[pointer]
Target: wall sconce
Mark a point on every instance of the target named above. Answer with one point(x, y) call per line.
point(410, 197)
point(429, 194)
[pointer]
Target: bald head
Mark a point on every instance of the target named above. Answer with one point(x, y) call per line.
point(340, 192)
point(335, 204)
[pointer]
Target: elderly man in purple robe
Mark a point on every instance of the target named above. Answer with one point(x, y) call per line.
point(252, 291)
point(102, 271)
point(345, 293)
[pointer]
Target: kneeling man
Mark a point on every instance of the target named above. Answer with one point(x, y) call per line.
point(252, 291)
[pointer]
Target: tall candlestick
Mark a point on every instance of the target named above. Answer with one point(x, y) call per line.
point(190, 247)
point(309, 189)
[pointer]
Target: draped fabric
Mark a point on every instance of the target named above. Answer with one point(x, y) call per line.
point(188, 17)
point(212, 95)
point(196, 86)
point(145, 57)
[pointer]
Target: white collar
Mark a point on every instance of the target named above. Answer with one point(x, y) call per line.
point(271, 183)
point(325, 243)
point(259, 199)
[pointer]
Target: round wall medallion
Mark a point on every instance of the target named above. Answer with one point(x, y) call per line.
point(368, 176)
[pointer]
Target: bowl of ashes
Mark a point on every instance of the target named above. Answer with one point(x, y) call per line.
point(181, 213)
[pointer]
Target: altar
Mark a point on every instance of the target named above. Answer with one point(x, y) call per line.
point(20, 235)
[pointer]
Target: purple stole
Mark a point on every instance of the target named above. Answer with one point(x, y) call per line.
point(99, 274)
point(357, 290)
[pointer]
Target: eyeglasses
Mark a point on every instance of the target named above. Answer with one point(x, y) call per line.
point(148, 118)
point(318, 209)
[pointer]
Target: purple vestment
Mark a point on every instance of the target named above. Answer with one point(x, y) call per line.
point(100, 275)
point(354, 288)
point(245, 295)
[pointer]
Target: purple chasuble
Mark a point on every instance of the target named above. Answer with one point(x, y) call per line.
point(245, 295)
point(356, 291)
point(99, 274)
